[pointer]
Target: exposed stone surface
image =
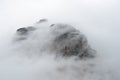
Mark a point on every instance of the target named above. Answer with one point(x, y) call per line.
point(70, 42)
point(22, 31)
point(66, 40)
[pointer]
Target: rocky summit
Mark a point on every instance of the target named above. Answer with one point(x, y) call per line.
point(66, 40)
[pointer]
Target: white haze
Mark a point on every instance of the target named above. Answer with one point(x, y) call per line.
point(99, 20)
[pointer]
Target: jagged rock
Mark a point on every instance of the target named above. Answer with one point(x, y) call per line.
point(66, 40)
point(22, 31)
point(70, 42)
point(25, 30)
point(42, 20)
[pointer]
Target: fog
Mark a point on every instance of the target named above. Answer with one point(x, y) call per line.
point(98, 20)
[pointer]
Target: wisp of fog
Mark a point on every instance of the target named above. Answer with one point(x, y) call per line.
point(28, 57)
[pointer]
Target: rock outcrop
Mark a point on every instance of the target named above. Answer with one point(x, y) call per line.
point(71, 42)
point(67, 41)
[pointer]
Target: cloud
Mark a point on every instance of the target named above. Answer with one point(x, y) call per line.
point(97, 19)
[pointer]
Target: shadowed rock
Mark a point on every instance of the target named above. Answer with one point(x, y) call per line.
point(42, 20)
point(66, 40)
point(25, 30)
point(70, 42)
point(22, 31)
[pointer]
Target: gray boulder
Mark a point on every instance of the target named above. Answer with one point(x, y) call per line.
point(68, 41)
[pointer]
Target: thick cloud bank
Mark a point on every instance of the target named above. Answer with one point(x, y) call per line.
point(33, 53)
point(48, 51)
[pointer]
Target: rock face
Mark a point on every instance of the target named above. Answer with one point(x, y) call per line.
point(22, 31)
point(70, 42)
point(66, 40)
point(25, 30)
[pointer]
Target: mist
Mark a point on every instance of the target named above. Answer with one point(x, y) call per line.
point(98, 20)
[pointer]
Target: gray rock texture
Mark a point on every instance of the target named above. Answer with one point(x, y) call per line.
point(65, 40)
point(71, 42)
